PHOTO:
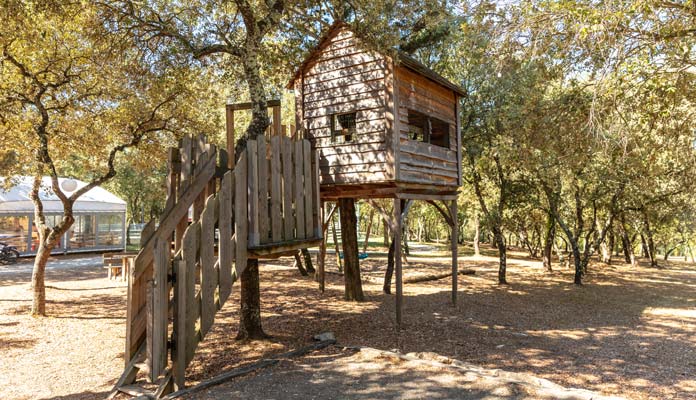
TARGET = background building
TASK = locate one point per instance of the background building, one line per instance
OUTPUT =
(100, 217)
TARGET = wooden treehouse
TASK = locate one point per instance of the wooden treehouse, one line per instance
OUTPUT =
(383, 126)
(369, 126)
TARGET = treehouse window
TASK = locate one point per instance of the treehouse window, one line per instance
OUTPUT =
(343, 128)
(427, 129)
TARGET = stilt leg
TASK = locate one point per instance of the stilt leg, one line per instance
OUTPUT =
(321, 276)
(455, 235)
(397, 259)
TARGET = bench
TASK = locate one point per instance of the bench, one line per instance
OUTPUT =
(117, 264)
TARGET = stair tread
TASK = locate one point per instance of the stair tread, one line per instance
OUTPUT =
(135, 390)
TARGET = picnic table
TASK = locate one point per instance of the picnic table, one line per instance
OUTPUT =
(118, 264)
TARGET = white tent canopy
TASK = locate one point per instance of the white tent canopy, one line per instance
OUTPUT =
(18, 201)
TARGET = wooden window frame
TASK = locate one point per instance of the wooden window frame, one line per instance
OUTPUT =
(336, 133)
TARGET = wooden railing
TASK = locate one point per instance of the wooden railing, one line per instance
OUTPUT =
(284, 207)
(266, 206)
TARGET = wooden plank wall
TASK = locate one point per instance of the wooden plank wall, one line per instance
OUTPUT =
(265, 192)
(421, 162)
(283, 186)
(346, 77)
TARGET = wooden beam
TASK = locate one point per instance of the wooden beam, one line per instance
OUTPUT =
(269, 250)
(444, 211)
(276, 119)
(249, 105)
(455, 263)
(397, 260)
(229, 119)
(426, 197)
(321, 274)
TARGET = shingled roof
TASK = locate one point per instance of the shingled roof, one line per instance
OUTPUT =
(403, 59)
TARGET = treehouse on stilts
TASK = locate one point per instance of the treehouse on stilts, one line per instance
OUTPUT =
(383, 126)
(369, 126)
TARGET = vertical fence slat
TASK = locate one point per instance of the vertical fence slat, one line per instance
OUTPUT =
(253, 193)
(179, 352)
(318, 219)
(172, 178)
(184, 177)
(288, 220)
(208, 276)
(308, 188)
(263, 189)
(159, 309)
(299, 190)
(135, 326)
(240, 214)
(189, 250)
(276, 202)
(199, 203)
(225, 242)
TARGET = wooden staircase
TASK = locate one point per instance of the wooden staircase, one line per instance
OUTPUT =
(265, 207)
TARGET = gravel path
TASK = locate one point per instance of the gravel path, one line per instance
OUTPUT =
(71, 262)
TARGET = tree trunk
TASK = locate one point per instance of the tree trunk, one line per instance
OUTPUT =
(669, 251)
(250, 313)
(549, 237)
(477, 233)
(577, 260)
(407, 251)
(626, 243)
(367, 231)
(502, 253)
(610, 247)
(643, 247)
(308, 261)
(349, 237)
(627, 247)
(298, 265)
(389, 273)
(385, 233)
(38, 305)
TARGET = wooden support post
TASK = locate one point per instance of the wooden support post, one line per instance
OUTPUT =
(276, 120)
(321, 275)
(397, 259)
(455, 264)
(229, 114)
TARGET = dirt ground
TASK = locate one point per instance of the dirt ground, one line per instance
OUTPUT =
(366, 373)
(627, 331)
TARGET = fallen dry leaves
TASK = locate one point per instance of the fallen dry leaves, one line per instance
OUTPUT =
(628, 331)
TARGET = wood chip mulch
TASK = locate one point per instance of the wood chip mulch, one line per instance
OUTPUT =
(627, 331)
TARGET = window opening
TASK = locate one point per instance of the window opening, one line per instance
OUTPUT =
(343, 127)
(426, 129)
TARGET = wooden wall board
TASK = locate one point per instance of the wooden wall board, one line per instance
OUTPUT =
(298, 191)
(209, 278)
(225, 227)
(276, 193)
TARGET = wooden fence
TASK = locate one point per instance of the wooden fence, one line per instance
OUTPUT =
(266, 206)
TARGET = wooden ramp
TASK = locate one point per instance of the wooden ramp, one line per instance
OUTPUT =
(265, 207)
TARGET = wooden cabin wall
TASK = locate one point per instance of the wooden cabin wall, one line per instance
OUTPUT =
(346, 77)
(421, 162)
